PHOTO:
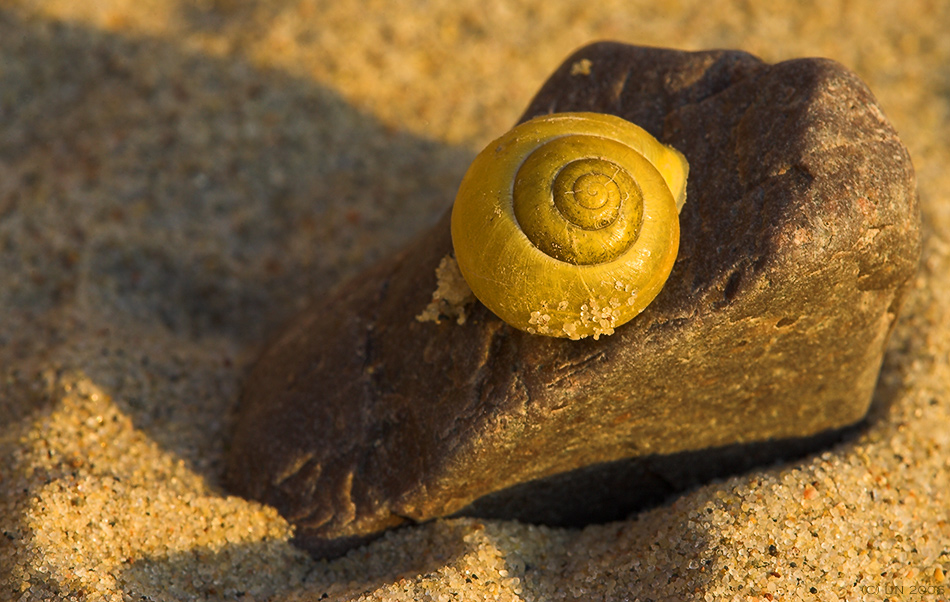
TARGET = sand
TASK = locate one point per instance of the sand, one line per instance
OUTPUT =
(177, 178)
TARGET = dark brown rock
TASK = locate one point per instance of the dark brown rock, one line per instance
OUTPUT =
(799, 239)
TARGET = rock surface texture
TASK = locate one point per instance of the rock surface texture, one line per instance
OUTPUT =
(798, 241)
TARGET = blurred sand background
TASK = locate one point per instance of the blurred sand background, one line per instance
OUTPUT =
(179, 177)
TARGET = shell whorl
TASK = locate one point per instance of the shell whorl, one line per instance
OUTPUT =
(574, 203)
(568, 224)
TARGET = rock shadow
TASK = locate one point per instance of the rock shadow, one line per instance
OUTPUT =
(613, 491)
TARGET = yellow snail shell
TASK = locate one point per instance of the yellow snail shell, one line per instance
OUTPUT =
(568, 225)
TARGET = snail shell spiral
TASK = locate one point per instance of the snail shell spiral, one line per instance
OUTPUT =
(568, 224)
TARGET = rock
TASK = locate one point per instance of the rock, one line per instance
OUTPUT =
(799, 240)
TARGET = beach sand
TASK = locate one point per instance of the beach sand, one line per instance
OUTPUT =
(178, 178)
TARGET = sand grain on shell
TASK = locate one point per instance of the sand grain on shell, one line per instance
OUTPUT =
(177, 178)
